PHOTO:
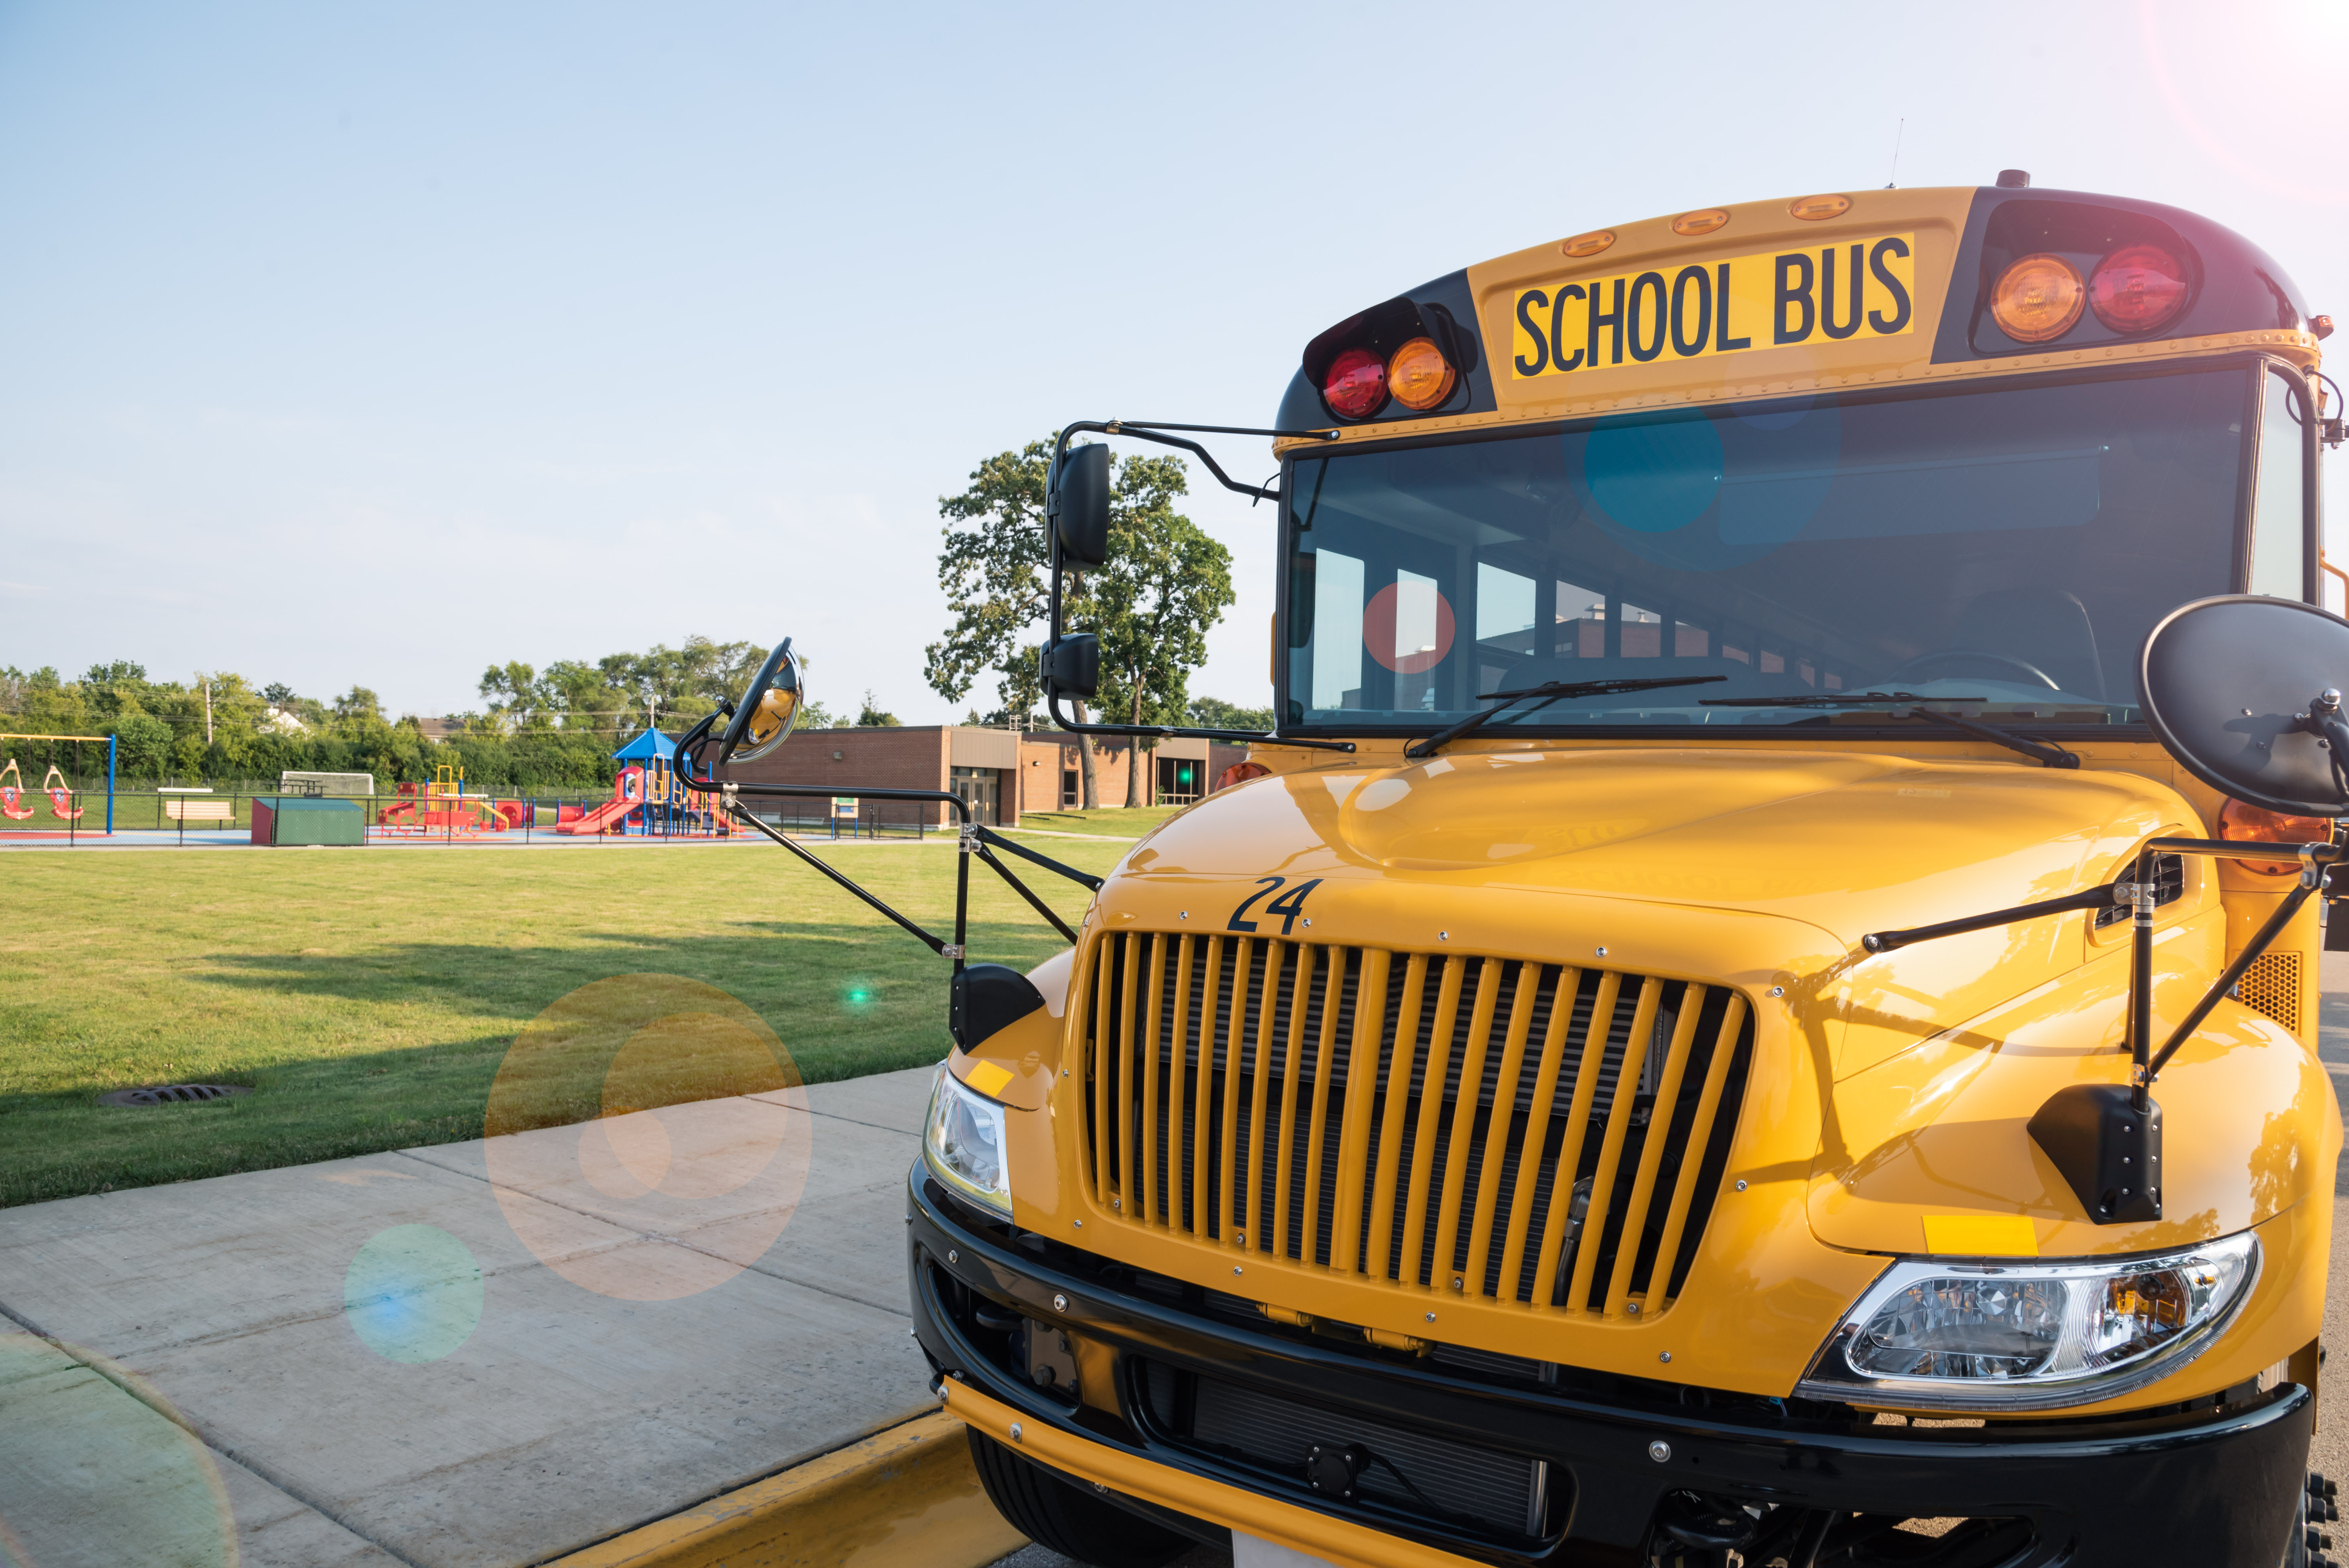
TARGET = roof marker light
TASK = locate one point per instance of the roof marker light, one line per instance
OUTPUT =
(1703, 223)
(1589, 244)
(2138, 288)
(2038, 298)
(1811, 209)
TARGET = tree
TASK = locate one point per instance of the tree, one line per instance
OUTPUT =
(515, 695)
(993, 570)
(358, 703)
(277, 695)
(143, 746)
(872, 718)
(1214, 713)
(1165, 584)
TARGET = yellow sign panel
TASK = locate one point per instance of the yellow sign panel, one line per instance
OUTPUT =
(1828, 293)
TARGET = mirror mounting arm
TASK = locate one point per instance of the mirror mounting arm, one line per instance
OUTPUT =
(1080, 686)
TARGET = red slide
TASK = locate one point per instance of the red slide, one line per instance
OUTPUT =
(602, 819)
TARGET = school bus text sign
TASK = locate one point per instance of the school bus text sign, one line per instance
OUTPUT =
(1825, 293)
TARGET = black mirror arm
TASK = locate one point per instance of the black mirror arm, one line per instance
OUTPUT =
(1148, 431)
(1022, 888)
(1185, 732)
(988, 835)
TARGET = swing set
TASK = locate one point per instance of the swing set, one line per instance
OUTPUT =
(16, 803)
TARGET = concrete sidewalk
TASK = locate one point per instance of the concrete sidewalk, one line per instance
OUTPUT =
(563, 1414)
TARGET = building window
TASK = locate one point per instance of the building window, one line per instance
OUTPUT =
(1071, 791)
(1181, 780)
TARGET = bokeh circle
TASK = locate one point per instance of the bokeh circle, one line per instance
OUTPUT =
(413, 1293)
(647, 1137)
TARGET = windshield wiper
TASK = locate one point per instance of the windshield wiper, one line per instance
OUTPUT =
(1907, 705)
(1550, 692)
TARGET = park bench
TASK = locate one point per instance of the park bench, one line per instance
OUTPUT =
(184, 811)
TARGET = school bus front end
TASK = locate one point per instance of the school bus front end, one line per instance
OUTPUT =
(1512, 1139)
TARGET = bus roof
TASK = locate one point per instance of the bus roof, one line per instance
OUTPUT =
(1780, 297)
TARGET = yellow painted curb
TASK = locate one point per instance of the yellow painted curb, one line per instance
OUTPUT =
(907, 1497)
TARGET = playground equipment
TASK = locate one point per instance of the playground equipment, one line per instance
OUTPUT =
(60, 795)
(442, 808)
(15, 807)
(648, 799)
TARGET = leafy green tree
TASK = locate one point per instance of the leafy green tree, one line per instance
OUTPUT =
(1214, 713)
(357, 704)
(143, 746)
(516, 700)
(1165, 584)
(871, 716)
(994, 571)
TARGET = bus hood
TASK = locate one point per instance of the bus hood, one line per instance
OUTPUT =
(1842, 841)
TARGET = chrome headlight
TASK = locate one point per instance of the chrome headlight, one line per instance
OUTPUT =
(963, 1144)
(1936, 1333)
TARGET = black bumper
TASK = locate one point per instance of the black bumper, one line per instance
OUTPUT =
(2214, 1486)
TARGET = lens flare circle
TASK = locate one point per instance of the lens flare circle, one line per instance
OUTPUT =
(95, 1469)
(658, 1104)
(413, 1293)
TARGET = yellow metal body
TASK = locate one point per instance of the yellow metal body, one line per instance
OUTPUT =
(1886, 1096)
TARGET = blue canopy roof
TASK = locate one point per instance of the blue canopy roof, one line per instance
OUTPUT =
(652, 744)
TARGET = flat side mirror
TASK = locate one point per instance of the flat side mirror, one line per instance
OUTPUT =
(1078, 508)
(769, 709)
(1070, 665)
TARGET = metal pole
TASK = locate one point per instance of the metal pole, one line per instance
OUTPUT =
(110, 786)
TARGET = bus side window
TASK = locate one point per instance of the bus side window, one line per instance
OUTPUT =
(2277, 538)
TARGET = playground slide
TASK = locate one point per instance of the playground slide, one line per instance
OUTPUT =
(602, 819)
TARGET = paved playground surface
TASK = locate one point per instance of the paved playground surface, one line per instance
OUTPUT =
(567, 1416)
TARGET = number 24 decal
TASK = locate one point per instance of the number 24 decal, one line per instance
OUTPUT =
(1288, 905)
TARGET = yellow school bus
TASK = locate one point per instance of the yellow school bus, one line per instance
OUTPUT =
(1654, 1063)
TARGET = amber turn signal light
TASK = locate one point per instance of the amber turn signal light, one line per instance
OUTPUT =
(1589, 244)
(1703, 223)
(2038, 298)
(1419, 376)
(1811, 209)
(2244, 824)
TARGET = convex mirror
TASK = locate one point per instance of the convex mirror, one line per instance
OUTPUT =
(1077, 509)
(2245, 692)
(769, 709)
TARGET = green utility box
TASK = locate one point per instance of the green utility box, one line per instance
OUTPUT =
(285, 820)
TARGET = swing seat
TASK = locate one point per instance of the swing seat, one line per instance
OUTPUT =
(62, 808)
(9, 803)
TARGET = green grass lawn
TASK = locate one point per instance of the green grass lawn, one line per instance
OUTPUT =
(368, 996)
(1107, 820)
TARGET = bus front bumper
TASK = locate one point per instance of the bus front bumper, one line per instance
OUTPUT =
(2217, 1486)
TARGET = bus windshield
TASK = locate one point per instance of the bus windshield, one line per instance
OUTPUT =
(2001, 550)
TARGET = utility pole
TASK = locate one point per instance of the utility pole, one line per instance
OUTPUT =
(208, 709)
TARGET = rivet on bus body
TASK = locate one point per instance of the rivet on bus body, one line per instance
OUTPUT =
(1060, 1303)
(953, 1256)
(1602, 953)
(1309, 922)
(1431, 1318)
(1016, 1433)
(1236, 1268)
(1182, 915)
(1665, 1356)
(1660, 1451)
(1457, 1284)
(1081, 1225)
(1778, 990)
(1740, 1186)
(1442, 936)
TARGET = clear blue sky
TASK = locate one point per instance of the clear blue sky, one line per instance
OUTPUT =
(375, 344)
